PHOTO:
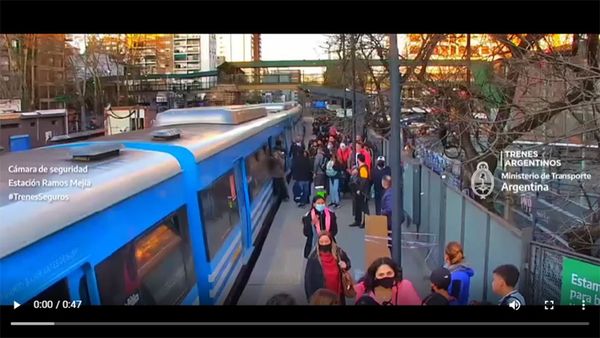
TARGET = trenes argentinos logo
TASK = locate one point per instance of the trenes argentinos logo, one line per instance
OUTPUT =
(482, 181)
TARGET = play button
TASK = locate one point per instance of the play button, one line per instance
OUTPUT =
(16, 305)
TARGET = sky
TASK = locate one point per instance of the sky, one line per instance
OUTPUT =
(293, 46)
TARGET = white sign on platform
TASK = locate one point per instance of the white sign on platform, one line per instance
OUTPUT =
(10, 106)
(340, 112)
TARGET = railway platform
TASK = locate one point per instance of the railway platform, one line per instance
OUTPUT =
(280, 266)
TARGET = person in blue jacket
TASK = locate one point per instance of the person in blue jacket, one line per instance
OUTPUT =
(386, 204)
(460, 273)
(380, 170)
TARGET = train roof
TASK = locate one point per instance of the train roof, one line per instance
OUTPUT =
(205, 139)
(114, 179)
(111, 180)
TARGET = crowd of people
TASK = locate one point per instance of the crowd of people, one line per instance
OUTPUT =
(325, 281)
(335, 165)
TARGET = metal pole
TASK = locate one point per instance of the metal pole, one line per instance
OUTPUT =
(354, 115)
(468, 60)
(395, 154)
(344, 76)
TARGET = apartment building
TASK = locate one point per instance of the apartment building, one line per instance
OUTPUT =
(234, 47)
(153, 53)
(194, 53)
(44, 78)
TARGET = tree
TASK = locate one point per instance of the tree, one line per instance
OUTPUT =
(374, 79)
(521, 93)
(530, 97)
(21, 52)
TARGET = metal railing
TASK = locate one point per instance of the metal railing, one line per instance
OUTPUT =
(163, 87)
(256, 79)
(546, 272)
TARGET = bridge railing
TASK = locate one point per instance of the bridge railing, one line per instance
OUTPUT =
(163, 87)
(257, 79)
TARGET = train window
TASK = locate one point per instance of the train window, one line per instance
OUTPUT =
(257, 171)
(156, 268)
(220, 211)
(58, 291)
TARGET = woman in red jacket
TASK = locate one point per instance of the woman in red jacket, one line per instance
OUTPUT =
(325, 267)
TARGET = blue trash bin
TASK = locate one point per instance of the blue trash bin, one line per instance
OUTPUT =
(19, 143)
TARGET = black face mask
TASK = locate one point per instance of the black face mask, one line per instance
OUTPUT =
(325, 248)
(387, 282)
(381, 164)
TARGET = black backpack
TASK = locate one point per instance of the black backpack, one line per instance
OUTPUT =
(323, 164)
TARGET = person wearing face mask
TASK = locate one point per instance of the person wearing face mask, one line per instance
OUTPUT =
(384, 285)
(301, 172)
(360, 188)
(296, 148)
(330, 149)
(325, 266)
(318, 219)
(344, 153)
(334, 172)
(319, 167)
(381, 170)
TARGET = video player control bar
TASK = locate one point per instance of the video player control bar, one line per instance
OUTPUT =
(299, 323)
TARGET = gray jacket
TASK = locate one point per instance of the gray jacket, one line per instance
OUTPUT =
(317, 165)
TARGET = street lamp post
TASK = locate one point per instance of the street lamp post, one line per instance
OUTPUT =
(396, 151)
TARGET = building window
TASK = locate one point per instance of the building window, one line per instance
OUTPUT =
(257, 171)
(220, 211)
(156, 268)
(44, 75)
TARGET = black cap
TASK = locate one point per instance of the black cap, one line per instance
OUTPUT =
(440, 277)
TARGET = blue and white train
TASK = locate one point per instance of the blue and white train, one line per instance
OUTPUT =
(168, 215)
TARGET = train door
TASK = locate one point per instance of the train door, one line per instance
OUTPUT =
(82, 287)
(71, 288)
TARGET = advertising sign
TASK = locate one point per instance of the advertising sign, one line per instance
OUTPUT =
(580, 283)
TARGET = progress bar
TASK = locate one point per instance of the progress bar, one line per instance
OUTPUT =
(298, 323)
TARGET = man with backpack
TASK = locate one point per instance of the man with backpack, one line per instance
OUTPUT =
(360, 188)
(379, 172)
(277, 167)
(319, 167)
(334, 171)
